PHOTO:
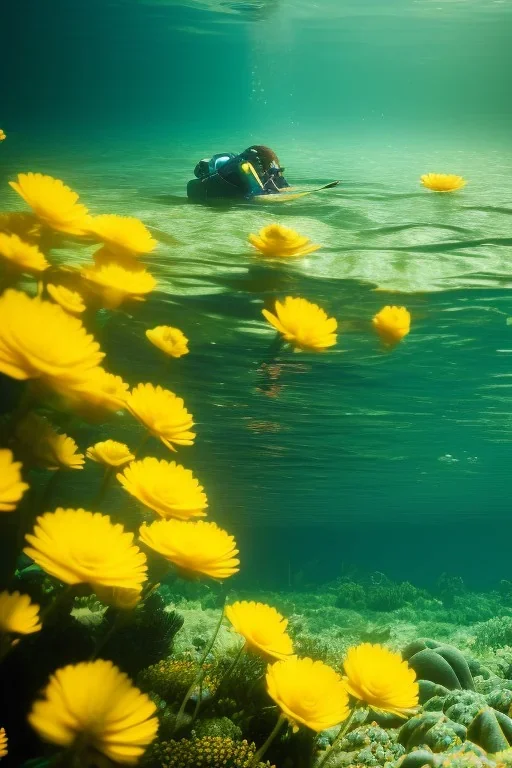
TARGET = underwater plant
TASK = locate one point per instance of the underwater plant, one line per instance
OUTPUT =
(166, 487)
(95, 706)
(170, 340)
(392, 324)
(276, 241)
(442, 182)
(304, 325)
(12, 486)
(55, 204)
(262, 627)
(381, 679)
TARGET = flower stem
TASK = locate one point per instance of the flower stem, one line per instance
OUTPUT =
(107, 479)
(223, 679)
(262, 750)
(59, 601)
(341, 733)
(141, 444)
(199, 674)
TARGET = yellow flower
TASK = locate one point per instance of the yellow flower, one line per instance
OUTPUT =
(115, 283)
(172, 341)
(165, 487)
(263, 628)
(193, 547)
(47, 447)
(80, 547)
(20, 255)
(303, 324)
(3, 743)
(275, 241)
(442, 182)
(110, 452)
(38, 340)
(123, 235)
(124, 599)
(308, 693)
(392, 324)
(69, 300)
(97, 705)
(17, 614)
(55, 204)
(12, 486)
(96, 395)
(162, 413)
(381, 679)
(25, 225)
(3, 136)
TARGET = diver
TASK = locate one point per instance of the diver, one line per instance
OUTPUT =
(255, 171)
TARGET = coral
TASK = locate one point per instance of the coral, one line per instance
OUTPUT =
(217, 727)
(207, 752)
(494, 633)
(467, 755)
(433, 730)
(438, 663)
(350, 595)
(169, 678)
(369, 746)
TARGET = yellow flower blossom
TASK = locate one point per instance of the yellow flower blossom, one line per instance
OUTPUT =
(123, 599)
(442, 182)
(18, 615)
(380, 678)
(170, 340)
(96, 704)
(278, 241)
(162, 413)
(12, 486)
(110, 453)
(81, 547)
(167, 488)
(20, 255)
(96, 396)
(115, 283)
(38, 340)
(195, 548)
(302, 324)
(3, 136)
(3, 743)
(122, 235)
(69, 300)
(55, 204)
(47, 447)
(263, 628)
(392, 324)
(25, 225)
(308, 693)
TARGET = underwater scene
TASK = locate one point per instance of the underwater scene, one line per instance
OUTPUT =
(255, 384)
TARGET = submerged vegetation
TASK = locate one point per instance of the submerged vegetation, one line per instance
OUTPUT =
(114, 647)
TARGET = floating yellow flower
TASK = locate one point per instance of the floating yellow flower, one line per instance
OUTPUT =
(55, 204)
(12, 486)
(25, 225)
(17, 614)
(170, 340)
(278, 241)
(3, 743)
(47, 447)
(167, 488)
(80, 547)
(193, 547)
(303, 324)
(20, 255)
(392, 324)
(308, 693)
(97, 705)
(3, 136)
(69, 300)
(124, 599)
(115, 283)
(263, 628)
(380, 678)
(38, 340)
(162, 413)
(442, 182)
(96, 395)
(123, 235)
(110, 453)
